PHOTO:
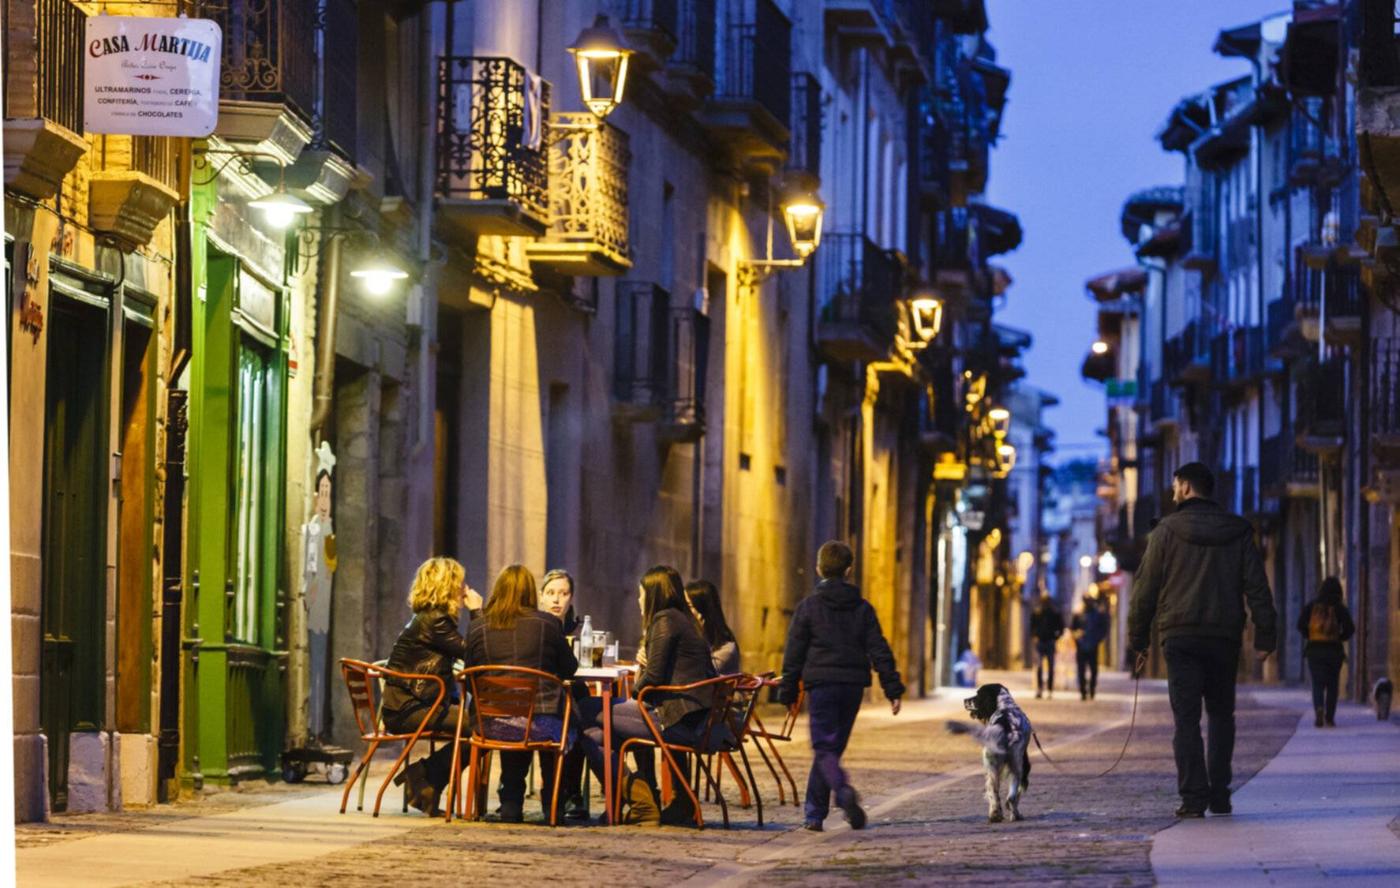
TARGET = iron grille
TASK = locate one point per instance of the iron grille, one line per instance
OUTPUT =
(268, 52)
(695, 38)
(641, 346)
(1385, 386)
(688, 361)
(757, 62)
(61, 28)
(659, 15)
(337, 48)
(493, 131)
(859, 284)
(805, 141)
(155, 156)
(588, 184)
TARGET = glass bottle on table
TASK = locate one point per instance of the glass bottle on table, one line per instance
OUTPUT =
(585, 641)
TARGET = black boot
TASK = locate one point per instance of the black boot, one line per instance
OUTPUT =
(1317, 717)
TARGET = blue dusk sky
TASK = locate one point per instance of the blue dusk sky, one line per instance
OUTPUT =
(1091, 83)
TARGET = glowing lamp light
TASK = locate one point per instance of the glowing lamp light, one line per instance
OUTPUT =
(927, 312)
(1001, 421)
(281, 209)
(1007, 454)
(1108, 564)
(601, 57)
(1086, 561)
(379, 277)
(803, 214)
(1099, 347)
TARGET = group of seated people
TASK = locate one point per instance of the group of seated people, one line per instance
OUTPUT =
(685, 639)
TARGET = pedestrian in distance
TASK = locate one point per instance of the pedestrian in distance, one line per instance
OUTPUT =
(1047, 625)
(833, 642)
(1200, 570)
(1089, 627)
(1326, 625)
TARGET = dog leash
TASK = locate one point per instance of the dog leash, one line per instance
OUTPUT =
(1132, 721)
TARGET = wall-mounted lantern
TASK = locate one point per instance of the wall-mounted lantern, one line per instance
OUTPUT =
(1001, 421)
(378, 276)
(601, 57)
(927, 314)
(1006, 459)
(803, 213)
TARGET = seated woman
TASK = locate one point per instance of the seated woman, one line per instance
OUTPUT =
(676, 654)
(513, 631)
(557, 598)
(429, 645)
(703, 598)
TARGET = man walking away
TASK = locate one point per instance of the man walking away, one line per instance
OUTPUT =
(1046, 628)
(1326, 624)
(832, 644)
(1088, 627)
(1200, 569)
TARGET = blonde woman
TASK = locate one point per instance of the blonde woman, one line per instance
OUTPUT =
(429, 645)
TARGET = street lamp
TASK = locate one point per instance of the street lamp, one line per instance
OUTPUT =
(1099, 347)
(927, 312)
(280, 208)
(1006, 454)
(1001, 421)
(378, 277)
(803, 213)
(1086, 561)
(601, 57)
(1108, 563)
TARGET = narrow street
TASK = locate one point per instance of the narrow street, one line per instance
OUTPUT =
(922, 787)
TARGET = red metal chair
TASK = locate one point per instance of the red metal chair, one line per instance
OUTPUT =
(715, 736)
(363, 681)
(500, 693)
(740, 720)
(757, 732)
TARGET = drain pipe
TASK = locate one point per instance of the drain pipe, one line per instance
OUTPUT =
(326, 312)
(427, 170)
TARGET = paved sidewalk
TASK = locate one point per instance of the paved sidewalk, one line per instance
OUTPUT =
(1321, 809)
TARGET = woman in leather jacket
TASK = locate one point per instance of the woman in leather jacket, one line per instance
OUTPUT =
(676, 654)
(429, 645)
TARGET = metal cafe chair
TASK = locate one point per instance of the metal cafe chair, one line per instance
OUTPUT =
(740, 721)
(364, 681)
(758, 732)
(715, 736)
(505, 720)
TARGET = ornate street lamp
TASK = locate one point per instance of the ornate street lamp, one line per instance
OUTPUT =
(927, 314)
(1001, 421)
(1006, 457)
(601, 57)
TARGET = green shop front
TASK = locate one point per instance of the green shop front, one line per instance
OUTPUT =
(235, 639)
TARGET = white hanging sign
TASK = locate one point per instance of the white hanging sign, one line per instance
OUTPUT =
(151, 76)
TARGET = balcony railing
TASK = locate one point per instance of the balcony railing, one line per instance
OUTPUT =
(651, 27)
(492, 129)
(337, 30)
(268, 52)
(1186, 357)
(858, 284)
(1204, 251)
(587, 198)
(61, 27)
(756, 63)
(155, 156)
(933, 147)
(641, 335)
(1385, 388)
(693, 59)
(1285, 469)
(1321, 405)
(1314, 152)
(805, 139)
(1237, 356)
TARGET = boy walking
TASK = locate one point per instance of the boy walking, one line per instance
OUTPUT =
(833, 643)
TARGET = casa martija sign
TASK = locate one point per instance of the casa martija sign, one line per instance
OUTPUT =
(151, 76)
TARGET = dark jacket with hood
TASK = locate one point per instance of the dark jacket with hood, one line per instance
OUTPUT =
(835, 638)
(1200, 569)
(1344, 623)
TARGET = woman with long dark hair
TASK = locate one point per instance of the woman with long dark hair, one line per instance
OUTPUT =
(676, 654)
(703, 599)
(1325, 624)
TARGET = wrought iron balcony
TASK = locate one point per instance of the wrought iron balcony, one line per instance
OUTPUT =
(43, 128)
(857, 286)
(661, 357)
(337, 99)
(1286, 470)
(267, 81)
(1315, 153)
(1164, 411)
(1321, 406)
(1385, 400)
(60, 29)
(690, 71)
(750, 110)
(651, 27)
(587, 198)
(1342, 309)
(933, 146)
(1204, 253)
(1237, 357)
(805, 132)
(492, 160)
(1186, 357)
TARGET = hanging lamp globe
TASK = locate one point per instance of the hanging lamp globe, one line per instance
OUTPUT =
(281, 209)
(601, 57)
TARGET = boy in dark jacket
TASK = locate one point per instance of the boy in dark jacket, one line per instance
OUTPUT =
(832, 644)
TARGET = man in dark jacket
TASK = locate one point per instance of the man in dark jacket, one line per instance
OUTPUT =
(1200, 569)
(1089, 627)
(833, 642)
(1047, 625)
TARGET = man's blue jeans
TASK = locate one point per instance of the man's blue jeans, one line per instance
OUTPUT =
(831, 710)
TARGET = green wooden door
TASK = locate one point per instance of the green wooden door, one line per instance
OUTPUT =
(75, 508)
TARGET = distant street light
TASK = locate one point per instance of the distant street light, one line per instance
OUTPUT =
(1108, 563)
(378, 277)
(803, 213)
(1001, 421)
(1099, 347)
(601, 57)
(1086, 561)
(281, 209)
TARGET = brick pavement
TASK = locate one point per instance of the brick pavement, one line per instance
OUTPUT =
(924, 789)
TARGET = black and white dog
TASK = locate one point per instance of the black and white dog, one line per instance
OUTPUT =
(1005, 735)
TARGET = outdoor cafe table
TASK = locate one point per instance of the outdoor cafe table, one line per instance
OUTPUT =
(610, 681)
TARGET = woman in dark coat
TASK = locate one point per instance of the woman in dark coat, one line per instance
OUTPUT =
(429, 645)
(704, 602)
(676, 654)
(512, 631)
(557, 599)
(1325, 624)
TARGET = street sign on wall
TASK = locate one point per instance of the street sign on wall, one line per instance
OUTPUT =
(151, 76)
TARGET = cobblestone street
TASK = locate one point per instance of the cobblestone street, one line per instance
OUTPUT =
(923, 789)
